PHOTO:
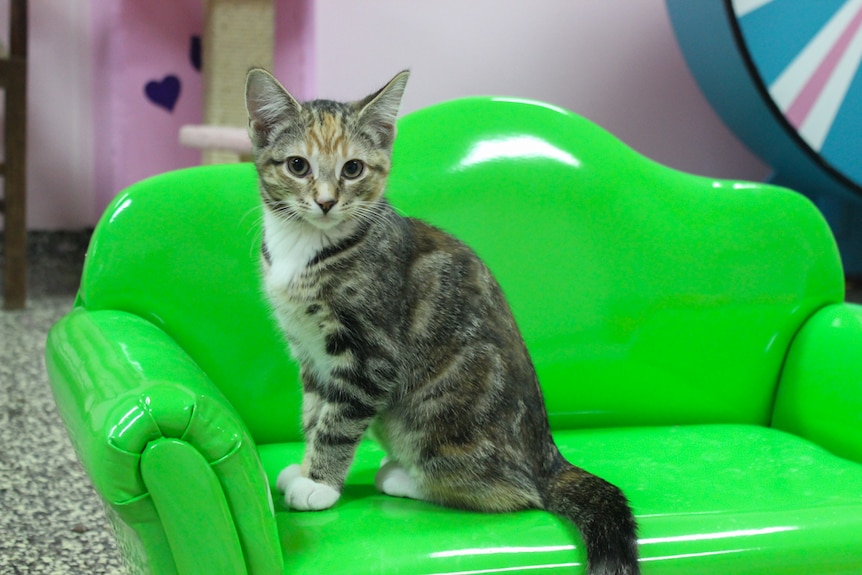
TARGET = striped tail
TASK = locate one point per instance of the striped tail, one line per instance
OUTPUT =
(601, 513)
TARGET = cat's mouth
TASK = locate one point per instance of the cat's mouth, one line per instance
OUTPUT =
(325, 220)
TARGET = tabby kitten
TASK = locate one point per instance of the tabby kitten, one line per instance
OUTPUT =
(400, 328)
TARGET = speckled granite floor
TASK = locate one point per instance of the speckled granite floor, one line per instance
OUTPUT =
(51, 520)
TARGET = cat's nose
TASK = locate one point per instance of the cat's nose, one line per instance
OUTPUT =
(325, 206)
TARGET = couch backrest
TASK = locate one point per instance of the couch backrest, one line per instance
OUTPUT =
(646, 296)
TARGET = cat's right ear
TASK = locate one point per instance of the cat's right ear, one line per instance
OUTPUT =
(268, 104)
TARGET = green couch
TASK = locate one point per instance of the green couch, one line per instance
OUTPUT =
(689, 333)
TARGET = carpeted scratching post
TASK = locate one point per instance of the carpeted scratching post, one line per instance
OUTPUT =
(238, 34)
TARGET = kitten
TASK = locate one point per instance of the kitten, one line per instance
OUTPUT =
(400, 328)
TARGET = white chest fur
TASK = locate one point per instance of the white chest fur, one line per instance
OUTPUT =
(291, 246)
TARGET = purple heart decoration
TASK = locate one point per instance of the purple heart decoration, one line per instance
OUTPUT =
(165, 93)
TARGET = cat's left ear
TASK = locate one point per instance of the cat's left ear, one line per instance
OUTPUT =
(379, 110)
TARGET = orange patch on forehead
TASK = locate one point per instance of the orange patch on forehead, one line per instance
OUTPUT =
(327, 136)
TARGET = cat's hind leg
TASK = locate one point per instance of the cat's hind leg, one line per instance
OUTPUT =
(394, 480)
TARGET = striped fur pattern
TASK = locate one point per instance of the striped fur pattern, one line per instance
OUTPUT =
(401, 330)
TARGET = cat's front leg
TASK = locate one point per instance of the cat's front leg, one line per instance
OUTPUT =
(301, 492)
(304, 494)
(332, 435)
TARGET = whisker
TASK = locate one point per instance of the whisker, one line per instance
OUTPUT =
(398, 211)
(286, 211)
(255, 229)
(257, 240)
(371, 214)
(253, 210)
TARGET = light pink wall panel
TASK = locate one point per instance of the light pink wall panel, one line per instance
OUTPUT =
(93, 129)
(613, 61)
(140, 45)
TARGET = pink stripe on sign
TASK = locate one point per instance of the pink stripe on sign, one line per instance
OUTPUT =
(798, 111)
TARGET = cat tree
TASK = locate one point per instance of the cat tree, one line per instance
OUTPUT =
(238, 34)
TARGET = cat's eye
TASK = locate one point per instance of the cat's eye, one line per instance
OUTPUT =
(298, 166)
(352, 169)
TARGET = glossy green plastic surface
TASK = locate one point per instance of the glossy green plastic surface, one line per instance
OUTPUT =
(665, 313)
(123, 386)
(219, 551)
(646, 296)
(709, 499)
(820, 396)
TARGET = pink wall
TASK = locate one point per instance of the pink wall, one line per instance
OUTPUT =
(59, 116)
(93, 130)
(613, 61)
(140, 45)
(147, 83)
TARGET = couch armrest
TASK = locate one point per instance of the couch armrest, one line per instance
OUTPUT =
(163, 447)
(820, 391)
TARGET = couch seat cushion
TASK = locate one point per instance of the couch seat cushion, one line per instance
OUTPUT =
(709, 498)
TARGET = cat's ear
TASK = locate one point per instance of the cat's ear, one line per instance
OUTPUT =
(379, 110)
(268, 104)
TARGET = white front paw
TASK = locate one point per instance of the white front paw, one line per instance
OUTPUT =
(302, 493)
